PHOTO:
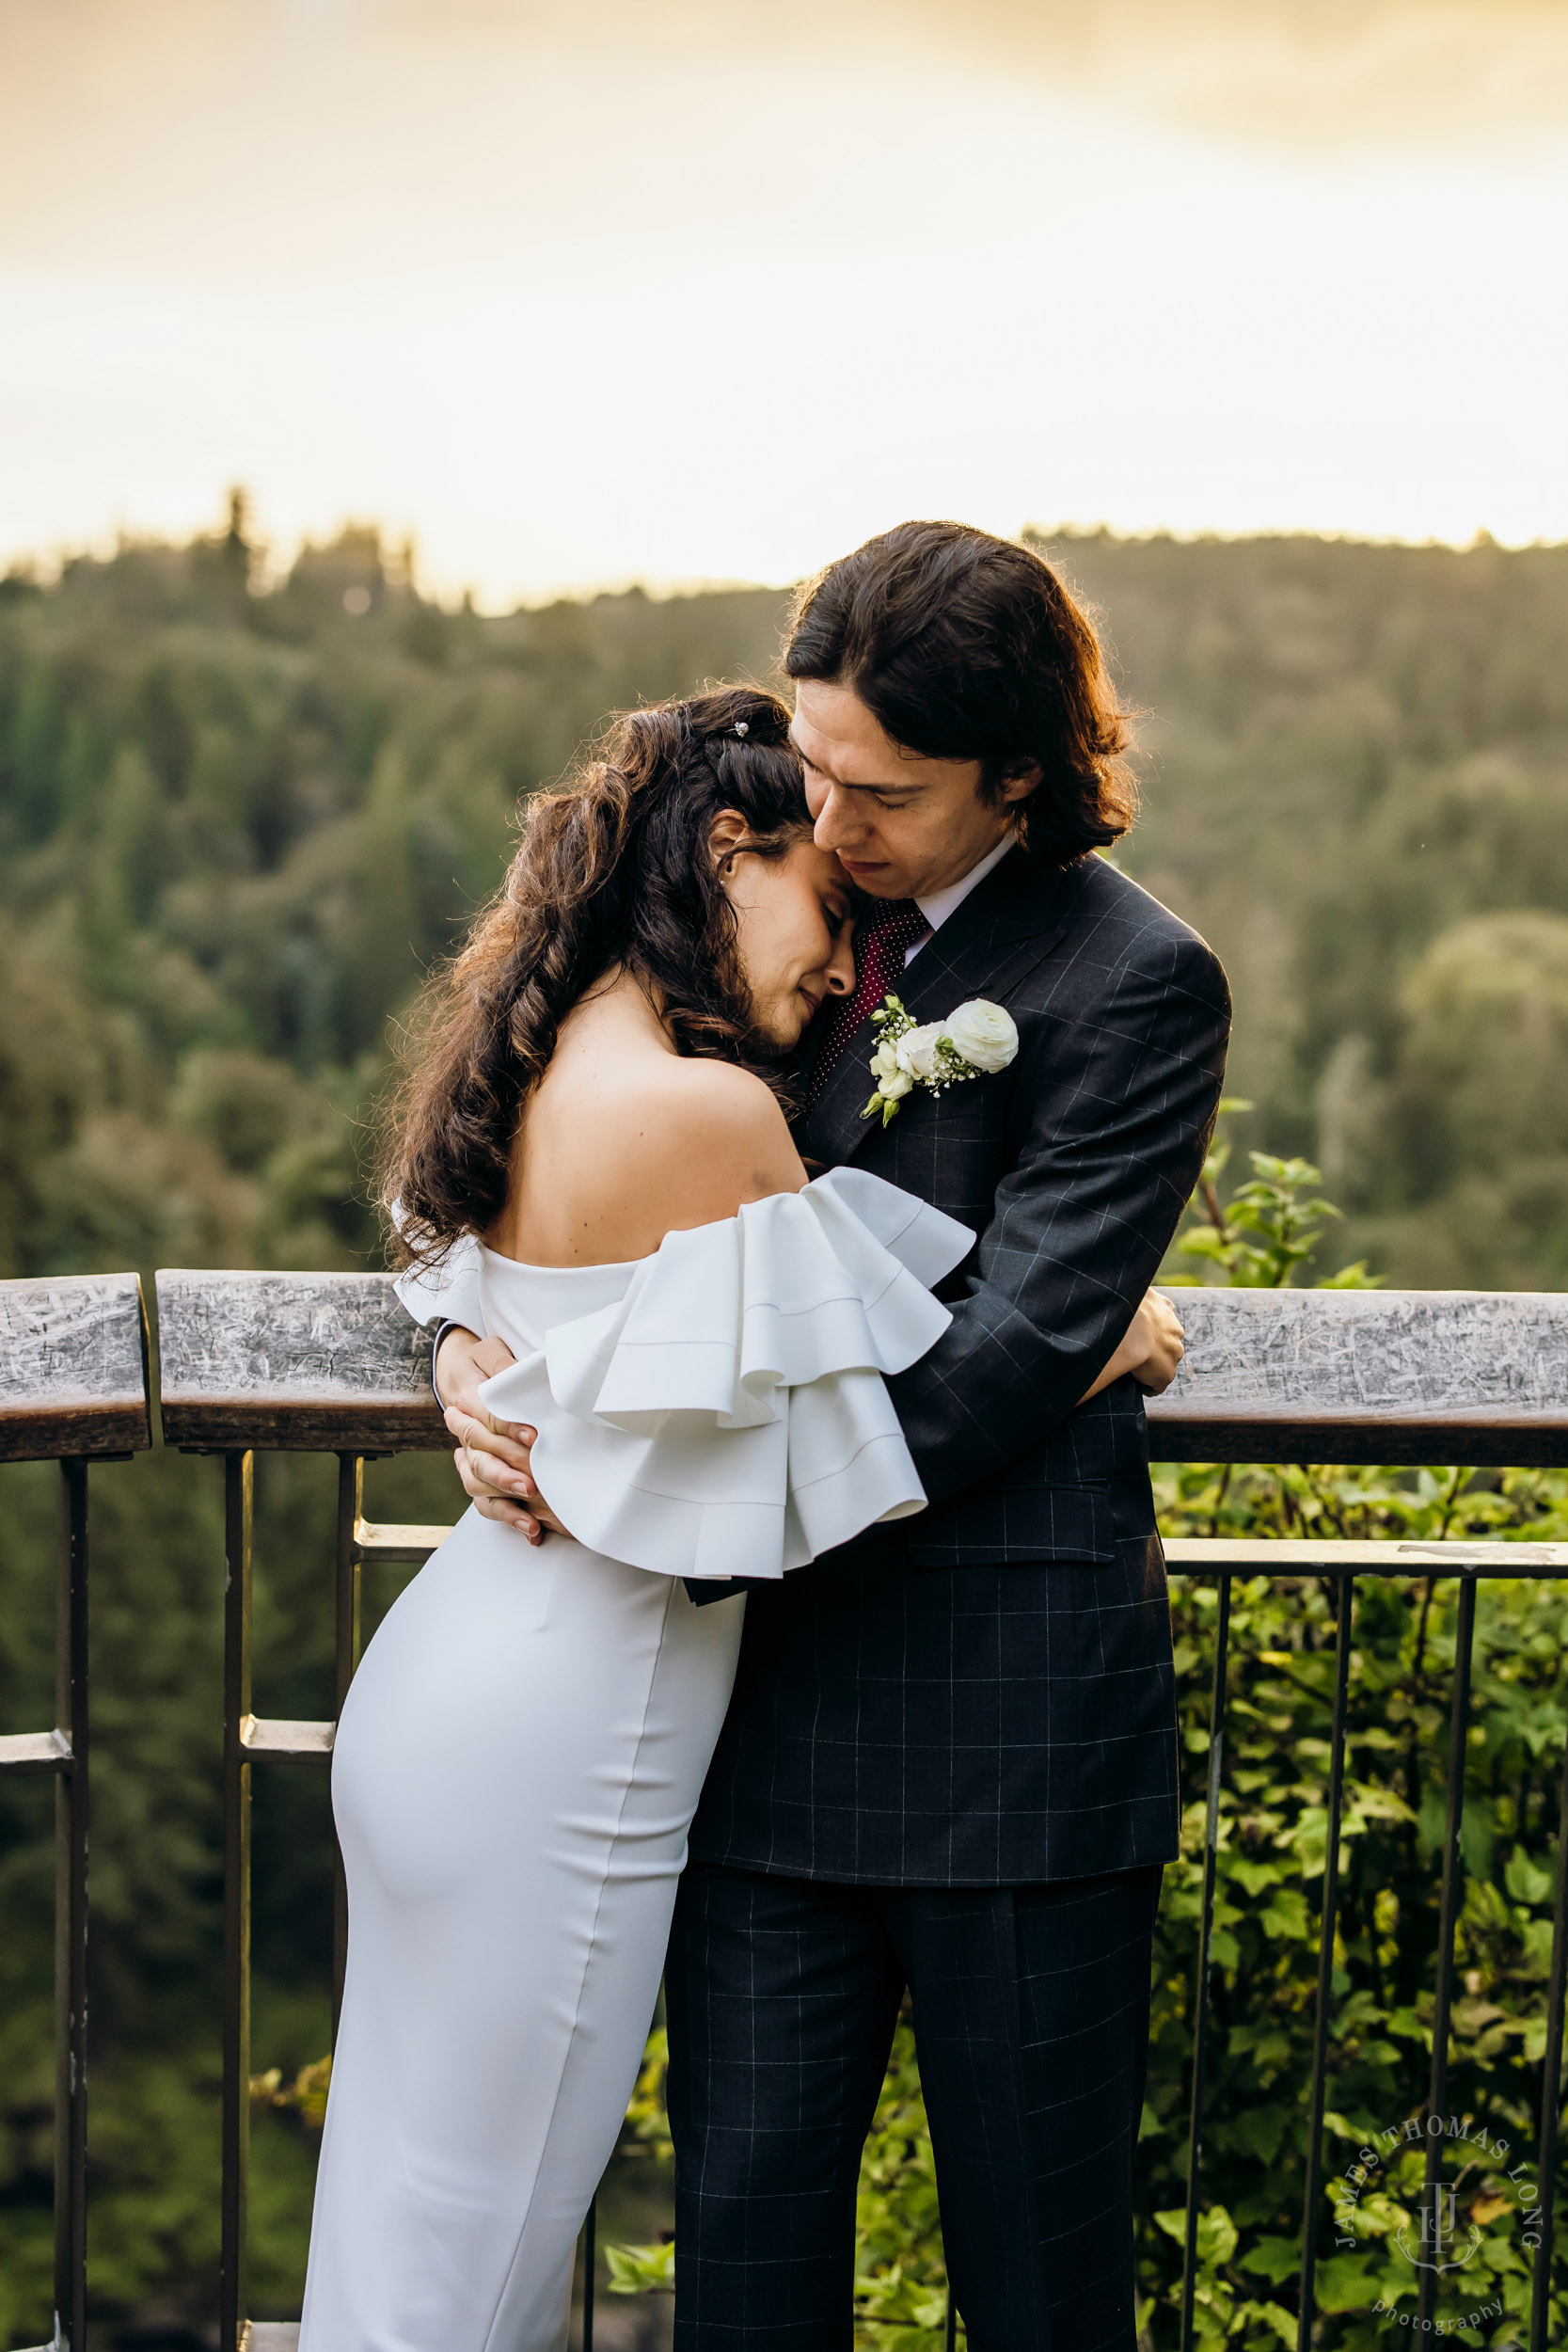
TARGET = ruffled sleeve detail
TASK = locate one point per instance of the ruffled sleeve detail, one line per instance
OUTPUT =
(448, 1291)
(727, 1416)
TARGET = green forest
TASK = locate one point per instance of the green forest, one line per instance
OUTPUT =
(237, 826)
(241, 812)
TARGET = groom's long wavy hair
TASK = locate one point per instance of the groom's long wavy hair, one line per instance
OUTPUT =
(614, 868)
(965, 646)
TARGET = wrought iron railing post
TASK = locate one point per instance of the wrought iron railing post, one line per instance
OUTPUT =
(351, 1492)
(1551, 2091)
(71, 1914)
(73, 1390)
(239, 1488)
(1326, 1971)
(1200, 1991)
(1453, 1888)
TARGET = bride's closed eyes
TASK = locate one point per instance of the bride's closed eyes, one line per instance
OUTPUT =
(795, 918)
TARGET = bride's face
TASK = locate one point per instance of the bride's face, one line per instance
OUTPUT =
(793, 922)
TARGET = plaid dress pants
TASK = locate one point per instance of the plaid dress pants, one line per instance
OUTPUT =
(1031, 2019)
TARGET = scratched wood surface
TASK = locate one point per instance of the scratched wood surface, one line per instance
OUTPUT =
(332, 1360)
(313, 1361)
(72, 1367)
(1474, 1376)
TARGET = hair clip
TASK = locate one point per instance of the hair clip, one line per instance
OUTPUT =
(741, 728)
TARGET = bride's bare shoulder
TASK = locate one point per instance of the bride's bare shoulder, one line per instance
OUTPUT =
(655, 1145)
(707, 1135)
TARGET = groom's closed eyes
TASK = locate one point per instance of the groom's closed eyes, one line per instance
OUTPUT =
(885, 795)
(902, 825)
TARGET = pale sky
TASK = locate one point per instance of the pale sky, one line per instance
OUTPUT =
(578, 292)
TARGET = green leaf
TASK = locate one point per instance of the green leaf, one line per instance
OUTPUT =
(1216, 2236)
(1259, 2131)
(1349, 2282)
(1287, 1915)
(1273, 2258)
(1525, 1879)
(642, 2269)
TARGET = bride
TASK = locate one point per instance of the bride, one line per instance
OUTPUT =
(593, 1167)
(700, 1338)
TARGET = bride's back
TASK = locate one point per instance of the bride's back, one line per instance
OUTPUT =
(623, 1140)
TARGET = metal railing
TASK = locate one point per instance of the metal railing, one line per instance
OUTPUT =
(1419, 1377)
(329, 1363)
(72, 1390)
(1346, 1563)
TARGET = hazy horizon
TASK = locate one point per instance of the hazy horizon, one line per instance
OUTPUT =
(582, 292)
(274, 557)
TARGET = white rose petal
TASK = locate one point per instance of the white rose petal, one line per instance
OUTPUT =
(984, 1033)
(893, 1090)
(917, 1050)
(884, 1062)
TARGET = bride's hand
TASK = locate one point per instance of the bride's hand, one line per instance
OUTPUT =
(1151, 1350)
(493, 1456)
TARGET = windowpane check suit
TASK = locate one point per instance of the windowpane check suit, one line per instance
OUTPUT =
(950, 1760)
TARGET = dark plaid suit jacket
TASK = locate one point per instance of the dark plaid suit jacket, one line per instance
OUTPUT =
(982, 1695)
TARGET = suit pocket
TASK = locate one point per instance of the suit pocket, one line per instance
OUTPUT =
(1066, 1522)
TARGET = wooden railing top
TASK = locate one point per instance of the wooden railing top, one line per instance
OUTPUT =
(310, 1361)
(331, 1361)
(72, 1367)
(1472, 1377)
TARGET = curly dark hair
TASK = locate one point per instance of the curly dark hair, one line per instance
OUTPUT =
(612, 869)
(964, 646)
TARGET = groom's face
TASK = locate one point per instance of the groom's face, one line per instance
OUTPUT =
(901, 826)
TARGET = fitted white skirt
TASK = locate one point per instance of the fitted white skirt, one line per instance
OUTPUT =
(516, 1772)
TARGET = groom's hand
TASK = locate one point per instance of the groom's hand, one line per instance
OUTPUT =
(493, 1457)
(1152, 1350)
(1157, 1335)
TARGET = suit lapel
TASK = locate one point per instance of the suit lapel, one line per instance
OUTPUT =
(985, 945)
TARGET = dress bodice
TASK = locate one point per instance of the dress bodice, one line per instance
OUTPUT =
(717, 1409)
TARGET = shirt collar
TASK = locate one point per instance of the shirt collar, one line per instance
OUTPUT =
(942, 903)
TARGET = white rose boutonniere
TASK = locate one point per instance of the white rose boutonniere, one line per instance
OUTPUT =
(917, 1050)
(973, 1042)
(985, 1036)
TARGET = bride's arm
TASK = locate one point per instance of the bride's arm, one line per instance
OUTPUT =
(492, 1455)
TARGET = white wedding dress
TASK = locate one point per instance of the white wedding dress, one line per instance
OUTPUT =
(522, 1750)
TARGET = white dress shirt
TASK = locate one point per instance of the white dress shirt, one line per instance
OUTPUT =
(942, 903)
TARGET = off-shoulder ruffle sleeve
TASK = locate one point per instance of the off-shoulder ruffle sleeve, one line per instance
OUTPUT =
(447, 1292)
(727, 1415)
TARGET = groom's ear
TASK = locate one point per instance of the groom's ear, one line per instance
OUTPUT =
(1017, 785)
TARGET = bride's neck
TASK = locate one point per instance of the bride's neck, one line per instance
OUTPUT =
(618, 999)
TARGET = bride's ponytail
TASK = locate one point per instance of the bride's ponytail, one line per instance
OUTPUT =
(613, 869)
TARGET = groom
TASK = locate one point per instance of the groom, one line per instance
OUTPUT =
(950, 1762)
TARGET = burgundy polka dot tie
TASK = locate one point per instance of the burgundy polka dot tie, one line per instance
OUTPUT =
(879, 966)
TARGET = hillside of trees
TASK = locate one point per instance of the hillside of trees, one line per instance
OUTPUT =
(1359, 793)
(240, 816)
(236, 828)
